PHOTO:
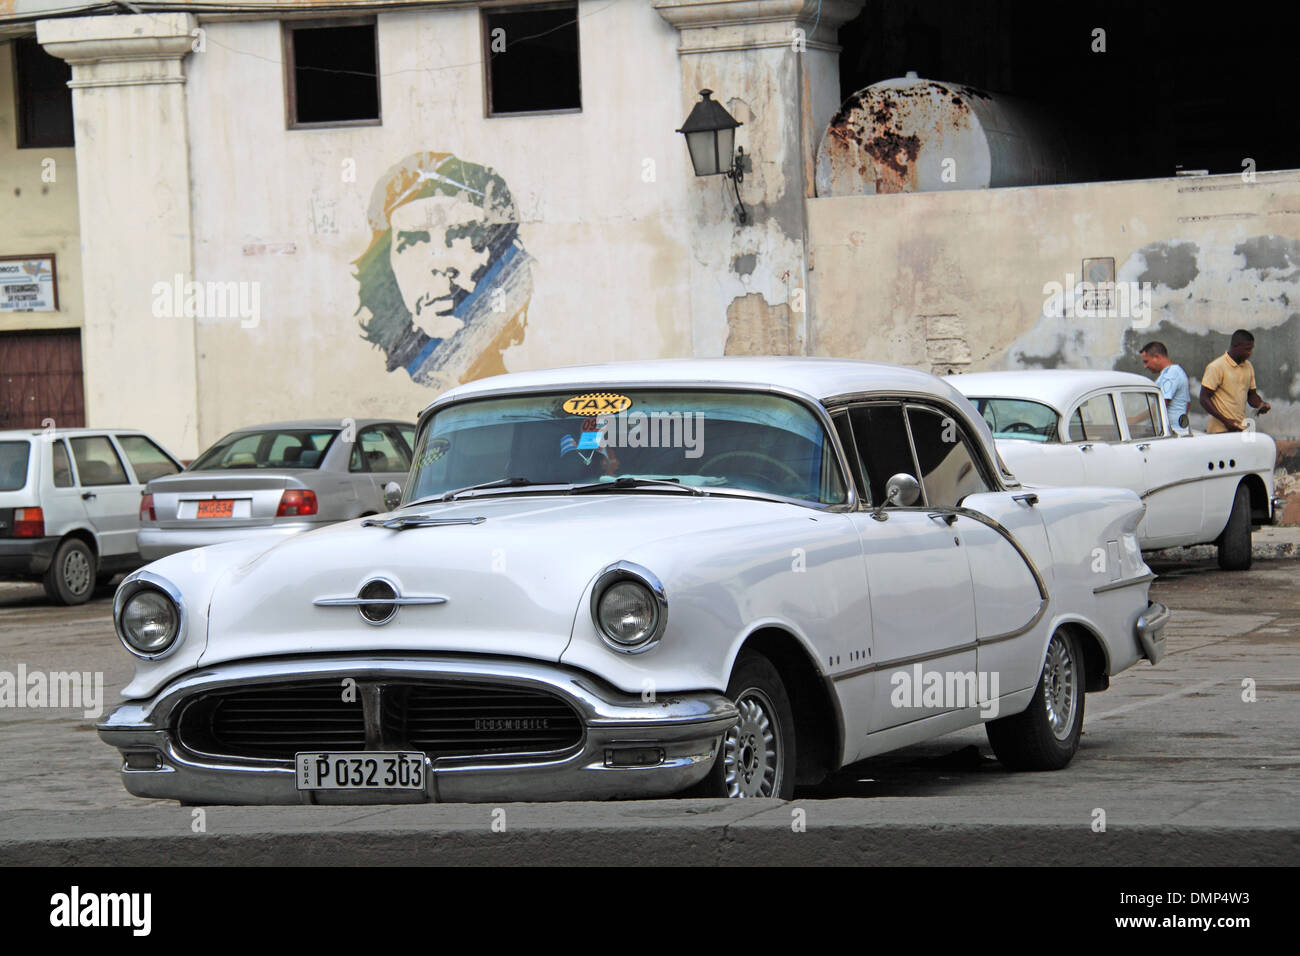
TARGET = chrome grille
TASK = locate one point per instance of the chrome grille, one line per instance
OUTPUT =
(275, 721)
(458, 719)
(439, 718)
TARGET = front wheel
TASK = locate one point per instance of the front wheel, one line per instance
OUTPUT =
(1234, 543)
(1045, 735)
(757, 758)
(70, 578)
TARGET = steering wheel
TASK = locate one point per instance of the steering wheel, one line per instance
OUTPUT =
(1021, 427)
(765, 459)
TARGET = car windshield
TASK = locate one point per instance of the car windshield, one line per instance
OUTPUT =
(712, 440)
(13, 464)
(273, 448)
(1018, 418)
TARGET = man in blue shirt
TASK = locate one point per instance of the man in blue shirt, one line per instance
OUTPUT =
(1172, 381)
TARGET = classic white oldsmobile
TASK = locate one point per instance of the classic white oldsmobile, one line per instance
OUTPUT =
(633, 579)
(1091, 427)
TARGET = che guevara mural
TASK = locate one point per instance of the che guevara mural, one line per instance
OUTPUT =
(444, 285)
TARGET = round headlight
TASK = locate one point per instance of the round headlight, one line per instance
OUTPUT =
(627, 613)
(150, 622)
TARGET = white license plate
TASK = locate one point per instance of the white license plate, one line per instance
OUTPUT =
(360, 770)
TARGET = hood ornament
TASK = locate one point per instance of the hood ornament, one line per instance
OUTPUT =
(378, 600)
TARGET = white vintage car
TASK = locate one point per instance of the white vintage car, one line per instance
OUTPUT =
(634, 579)
(1086, 427)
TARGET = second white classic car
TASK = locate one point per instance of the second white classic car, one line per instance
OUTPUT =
(1092, 427)
(638, 578)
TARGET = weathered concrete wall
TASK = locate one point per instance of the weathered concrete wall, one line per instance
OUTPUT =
(38, 211)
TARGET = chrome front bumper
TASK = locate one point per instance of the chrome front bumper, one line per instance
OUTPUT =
(1150, 629)
(630, 747)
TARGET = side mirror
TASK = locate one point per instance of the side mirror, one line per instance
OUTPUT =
(901, 491)
(392, 495)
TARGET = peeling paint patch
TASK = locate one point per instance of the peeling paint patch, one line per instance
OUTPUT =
(756, 328)
(1171, 264)
(744, 265)
(1269, 255)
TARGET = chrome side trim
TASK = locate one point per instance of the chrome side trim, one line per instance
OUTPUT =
(1127, 583)
(1188, 481)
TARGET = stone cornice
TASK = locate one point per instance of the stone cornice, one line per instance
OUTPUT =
(133, 50)
(710, 26)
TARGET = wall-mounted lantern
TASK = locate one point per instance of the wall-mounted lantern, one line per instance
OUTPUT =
(710, 133)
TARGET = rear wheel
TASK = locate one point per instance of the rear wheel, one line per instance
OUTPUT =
(1234, 543)
(758, 756)
(1045, 735)
(70, 578)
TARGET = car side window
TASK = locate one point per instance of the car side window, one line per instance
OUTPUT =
(949, 471)
(1154, 402)
(1095, 420)
(845, 431)
(61, 466)
(381, 451)
(880, 434)
(401, 447)
(97, 462)
(148, 461)
(1137, 410)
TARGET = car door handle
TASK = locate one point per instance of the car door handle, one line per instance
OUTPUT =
(1030, 498)
(1086, 446)
(1144, 446)
(946, 517)
(87, 495)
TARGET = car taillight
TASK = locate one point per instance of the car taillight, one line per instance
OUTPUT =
(29, 523)
(296, 503)
(147, 512)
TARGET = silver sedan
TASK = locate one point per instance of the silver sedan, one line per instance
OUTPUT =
(276, 480)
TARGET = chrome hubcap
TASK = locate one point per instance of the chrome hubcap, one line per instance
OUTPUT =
(1060, 692)
(76, 572)
(751, 754)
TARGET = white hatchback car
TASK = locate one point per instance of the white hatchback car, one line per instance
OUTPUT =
(70, 505)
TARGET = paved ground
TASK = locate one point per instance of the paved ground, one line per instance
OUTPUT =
(1185, 770)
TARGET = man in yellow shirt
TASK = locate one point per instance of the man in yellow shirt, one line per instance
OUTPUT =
(1228, 386)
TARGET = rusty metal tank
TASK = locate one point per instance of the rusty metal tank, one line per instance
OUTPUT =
(915, 135)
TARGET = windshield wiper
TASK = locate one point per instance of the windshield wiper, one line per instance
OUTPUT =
(402, 522)
(627, 481)
(498, 483)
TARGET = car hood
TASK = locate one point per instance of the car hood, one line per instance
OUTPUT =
(512, 582)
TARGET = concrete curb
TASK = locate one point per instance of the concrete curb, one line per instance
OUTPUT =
(695, 832)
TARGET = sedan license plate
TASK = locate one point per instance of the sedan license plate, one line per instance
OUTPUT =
(222, 508)
(362, 770)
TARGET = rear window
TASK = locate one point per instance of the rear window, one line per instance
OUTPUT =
(274, 448)
(13, 464)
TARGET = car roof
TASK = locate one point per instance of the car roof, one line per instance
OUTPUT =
(821, 378)
(336, 423)
(1059, 388)
(67, 432)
